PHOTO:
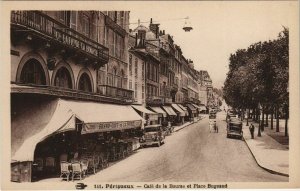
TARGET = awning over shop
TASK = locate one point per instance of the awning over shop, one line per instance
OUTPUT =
(97, 117)
(159, 110)
(152, 116)
(142, 109)
(178, 109)
(191, 108)
(184, 109)
(63, 119)
(169, 110)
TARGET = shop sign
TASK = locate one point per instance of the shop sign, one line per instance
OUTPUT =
(110, 126)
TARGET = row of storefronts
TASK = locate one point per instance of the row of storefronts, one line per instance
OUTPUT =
(54, 127)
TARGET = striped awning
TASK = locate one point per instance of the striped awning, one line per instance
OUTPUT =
(159, 110)
(191, 108)
(169, 110)
(178, 109)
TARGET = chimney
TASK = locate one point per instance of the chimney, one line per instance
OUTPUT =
(154, 28)
(160, 33)
(136, 37)
(139, 22)
(163, 32)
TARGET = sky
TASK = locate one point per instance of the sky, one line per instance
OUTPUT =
(219, 28)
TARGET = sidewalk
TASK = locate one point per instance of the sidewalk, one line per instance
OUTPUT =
(268, 153)
(178, 128)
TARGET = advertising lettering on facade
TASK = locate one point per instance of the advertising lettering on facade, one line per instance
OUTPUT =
(110, 126)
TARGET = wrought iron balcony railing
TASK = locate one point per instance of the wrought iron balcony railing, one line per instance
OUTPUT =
(45, 25)
(110, 95)
(116, 92)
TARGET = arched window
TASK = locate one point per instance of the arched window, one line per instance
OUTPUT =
(63, 78)
(84, 83)
(33, 73)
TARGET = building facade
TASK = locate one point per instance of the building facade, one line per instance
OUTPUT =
(69, 87)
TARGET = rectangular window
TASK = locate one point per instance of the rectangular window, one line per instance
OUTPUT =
(85, 25)
(136, 67)
(135, 91)
(73, 20)
(130, 85)
(61, 16)
(143, 70)
(143, 91)
(130, 64)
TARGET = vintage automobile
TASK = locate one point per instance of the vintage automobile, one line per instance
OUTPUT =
(235, 128)
(230, 114)
(153, 135)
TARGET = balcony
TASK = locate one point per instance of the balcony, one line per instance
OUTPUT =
(115, 92)
(114, 26)
(109, 95)
(154, 100)
(48, 30)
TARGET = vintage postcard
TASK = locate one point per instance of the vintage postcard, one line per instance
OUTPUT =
(150, 95)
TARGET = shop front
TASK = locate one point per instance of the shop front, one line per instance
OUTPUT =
(180, 114)
(162, 117)
(171, 114)
(90, 132)
(192, 111)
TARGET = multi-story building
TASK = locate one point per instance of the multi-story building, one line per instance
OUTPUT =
(69, 86)
(207, 83)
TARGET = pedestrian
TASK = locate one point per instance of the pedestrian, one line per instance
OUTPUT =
(251, 128)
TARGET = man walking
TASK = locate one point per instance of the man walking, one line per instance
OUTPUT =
(251, 128)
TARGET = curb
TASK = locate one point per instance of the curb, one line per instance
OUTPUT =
(269, 170)
(186, 126)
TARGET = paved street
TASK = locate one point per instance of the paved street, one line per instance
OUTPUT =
(192, 154)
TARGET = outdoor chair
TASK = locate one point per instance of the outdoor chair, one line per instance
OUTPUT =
(76, 170)
(84, 165)
(64, 170)
(91, 165)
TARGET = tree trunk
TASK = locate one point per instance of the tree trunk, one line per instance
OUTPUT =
(286, 127)
(286, 120)
(262, 119)
(272, 117)
(277, 118)
(256, 115)
(259, 127)
(267, 119)
(248, 115)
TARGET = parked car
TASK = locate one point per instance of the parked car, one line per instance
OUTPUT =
(235, 128)
(153, 135)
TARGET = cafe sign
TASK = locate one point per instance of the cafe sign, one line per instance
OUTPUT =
(110, 126)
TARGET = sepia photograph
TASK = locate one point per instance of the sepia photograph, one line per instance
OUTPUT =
(150, 95)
